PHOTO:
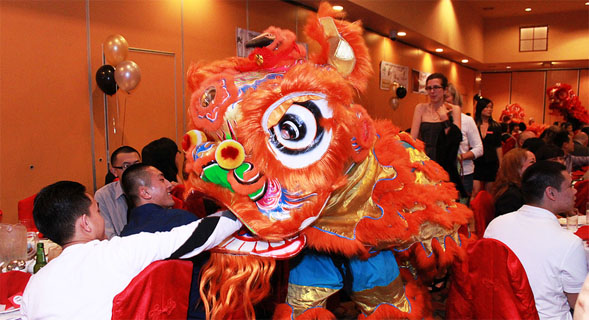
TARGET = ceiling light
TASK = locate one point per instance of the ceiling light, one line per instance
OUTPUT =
(401, 33)
(528, 9)
(508, 67)
(587, 3)
(337, 8)
(439, 50)
(464, 60)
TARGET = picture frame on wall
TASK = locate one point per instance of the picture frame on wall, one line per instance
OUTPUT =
(418, 81)
(391, 73)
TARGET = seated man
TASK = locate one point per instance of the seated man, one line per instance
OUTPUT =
(110, 198)
(150, 192)
(554, 258)
(82, 282)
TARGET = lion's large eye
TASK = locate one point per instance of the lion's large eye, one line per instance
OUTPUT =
(208, 97)
(298, 139)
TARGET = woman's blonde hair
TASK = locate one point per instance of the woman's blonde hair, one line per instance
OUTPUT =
(509, 171)
(456, 96)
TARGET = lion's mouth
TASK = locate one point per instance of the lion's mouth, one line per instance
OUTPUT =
(243, 243)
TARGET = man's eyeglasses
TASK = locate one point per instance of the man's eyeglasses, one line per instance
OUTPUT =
(125, 165)
(428, 88)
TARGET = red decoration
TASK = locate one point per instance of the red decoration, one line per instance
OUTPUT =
(564, 101)
(515, 113)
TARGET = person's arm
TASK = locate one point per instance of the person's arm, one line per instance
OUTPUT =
(572, 298)
(474, 140)
(575, 271)
(582, 304)
(499, 154)
(580, 161)
(136, 251)
(416, 123)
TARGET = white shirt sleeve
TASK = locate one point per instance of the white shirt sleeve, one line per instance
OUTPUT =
(139, 250)
(472, 134)
(574, 268)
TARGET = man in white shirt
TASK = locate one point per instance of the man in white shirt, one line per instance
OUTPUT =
(554, 258)
(110, 198)
(83, 280)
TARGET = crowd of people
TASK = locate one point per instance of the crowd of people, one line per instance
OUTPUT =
(529, 178)
(141, 214)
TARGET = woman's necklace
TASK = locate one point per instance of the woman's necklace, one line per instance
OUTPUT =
(434, 113)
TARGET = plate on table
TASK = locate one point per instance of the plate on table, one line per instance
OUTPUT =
(12, 314)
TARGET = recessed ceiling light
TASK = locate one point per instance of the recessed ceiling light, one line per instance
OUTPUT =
(337, 8)
(508, 67)
(587, 3)
(439, 50)
(464, 60)
(401, 33)
(528, 9)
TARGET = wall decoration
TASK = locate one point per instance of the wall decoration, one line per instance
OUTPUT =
(418, 81)
(390, 73)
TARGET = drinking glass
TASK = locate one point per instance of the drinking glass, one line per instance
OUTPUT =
(573, 220)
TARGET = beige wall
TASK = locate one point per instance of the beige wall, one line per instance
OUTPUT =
(528, 89)
(451, 23)
(568, 38)
(52, 113)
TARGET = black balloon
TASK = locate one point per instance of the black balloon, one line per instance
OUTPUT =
(401, 92)
(105, 78)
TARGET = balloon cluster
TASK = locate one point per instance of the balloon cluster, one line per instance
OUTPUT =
(126, 75)
(513, 112)
(399, 92)
(564, 101)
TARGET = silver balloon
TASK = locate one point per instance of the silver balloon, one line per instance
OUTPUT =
(127, 75)
(115, 49)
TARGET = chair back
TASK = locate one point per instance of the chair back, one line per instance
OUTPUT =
(483, 208)
(490, 284)
(160, 291)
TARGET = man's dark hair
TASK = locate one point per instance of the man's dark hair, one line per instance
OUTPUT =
(438, 76)
(161, 154)
(134, 177)
(533, 144)
(57, 207)
(548, 151)
(560, 138)
(522, 127)
(123, 149)
(538, 177)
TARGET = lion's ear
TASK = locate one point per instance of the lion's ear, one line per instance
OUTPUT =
(342, 44)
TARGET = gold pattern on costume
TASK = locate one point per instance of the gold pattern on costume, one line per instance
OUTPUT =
(349, 204)
(302, 298)
(416, 207)
(393, 293)
(416, 155)
(420, 178)
(429, 232)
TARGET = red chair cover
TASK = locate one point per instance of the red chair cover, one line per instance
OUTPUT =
(583, 233)
(12, 283)
(582, 195)
(508, 144)
(483, 208)
(491, 284)
(160, 291)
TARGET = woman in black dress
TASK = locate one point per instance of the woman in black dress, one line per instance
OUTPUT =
(485, 167)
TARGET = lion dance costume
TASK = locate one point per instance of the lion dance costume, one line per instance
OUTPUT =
(278, 140)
